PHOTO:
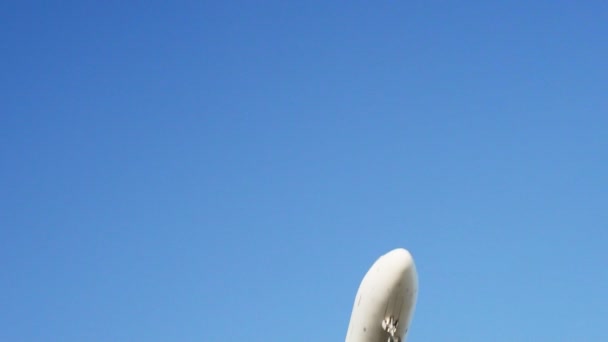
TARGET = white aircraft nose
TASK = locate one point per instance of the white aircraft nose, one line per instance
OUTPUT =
(401, 271)
(400, 261)
(386, 298)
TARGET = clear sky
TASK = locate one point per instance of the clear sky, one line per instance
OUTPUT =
(228, 171)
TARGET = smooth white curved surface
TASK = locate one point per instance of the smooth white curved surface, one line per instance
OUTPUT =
(387, 294)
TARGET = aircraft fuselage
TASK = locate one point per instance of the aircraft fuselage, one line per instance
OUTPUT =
(385, 301)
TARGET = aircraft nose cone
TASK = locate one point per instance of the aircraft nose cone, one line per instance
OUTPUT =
(400, 259)
(402, 265)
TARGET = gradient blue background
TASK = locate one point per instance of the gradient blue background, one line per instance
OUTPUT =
(210, 171)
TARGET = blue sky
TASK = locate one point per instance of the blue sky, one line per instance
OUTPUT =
(197, 171)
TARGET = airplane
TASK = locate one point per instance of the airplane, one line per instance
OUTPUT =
(385, 302)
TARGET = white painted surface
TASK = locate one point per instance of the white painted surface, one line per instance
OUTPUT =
(389, 289)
